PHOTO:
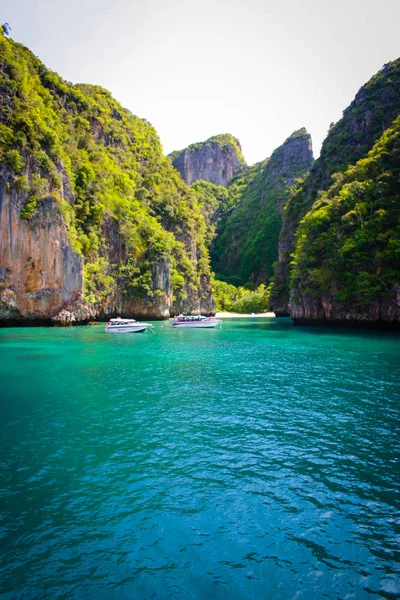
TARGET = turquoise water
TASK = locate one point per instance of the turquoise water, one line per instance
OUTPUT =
(255, 461)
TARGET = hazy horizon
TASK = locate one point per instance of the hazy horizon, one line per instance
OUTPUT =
(259, 71)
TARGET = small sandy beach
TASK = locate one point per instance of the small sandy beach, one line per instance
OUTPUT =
(234, 315)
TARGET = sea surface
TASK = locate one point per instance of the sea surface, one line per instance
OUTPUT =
(259, 460)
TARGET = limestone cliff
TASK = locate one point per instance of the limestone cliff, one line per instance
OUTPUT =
(94, 220)
(345, 266)
(363, 122)
(246, 246)
(216, 160)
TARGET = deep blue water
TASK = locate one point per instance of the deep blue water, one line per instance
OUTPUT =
(255, 461)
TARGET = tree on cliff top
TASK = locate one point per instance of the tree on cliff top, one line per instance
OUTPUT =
(6, 28)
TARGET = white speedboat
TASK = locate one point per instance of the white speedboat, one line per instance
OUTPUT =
(119, 325)
(191, 321)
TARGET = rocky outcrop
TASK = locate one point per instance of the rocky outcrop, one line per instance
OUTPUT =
(290, 161)
(215, 160)
(363, 122)
(75, 314)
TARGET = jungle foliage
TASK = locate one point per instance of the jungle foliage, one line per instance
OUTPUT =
(240, 299)
(214, 202)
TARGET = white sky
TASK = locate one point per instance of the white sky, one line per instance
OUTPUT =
(258, 69)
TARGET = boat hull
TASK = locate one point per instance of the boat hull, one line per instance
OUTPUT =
(119, 325)
(196, 324)
(126, 329)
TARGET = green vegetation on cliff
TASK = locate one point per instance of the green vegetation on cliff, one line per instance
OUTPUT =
(375, 106)
(106, 169)
(348, 245)
(363, 122)
(246, 247)
(228, 252)
(214, 201)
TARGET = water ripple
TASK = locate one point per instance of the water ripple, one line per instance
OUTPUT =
(261, 461)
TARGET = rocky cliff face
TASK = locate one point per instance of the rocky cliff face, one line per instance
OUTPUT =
(325, 310)
(246, 246)
(289, 162)
(363, 122)
(40, 274)
(215, 160)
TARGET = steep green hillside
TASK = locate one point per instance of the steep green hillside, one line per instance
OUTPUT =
(214, 201)
(347, 257)
(125, 206)
(246, 246)
(244, 190)
(363, 122)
